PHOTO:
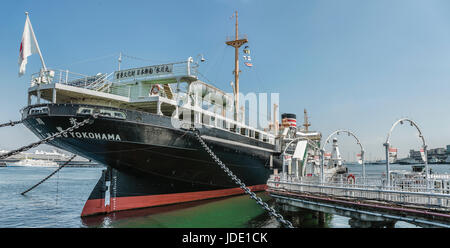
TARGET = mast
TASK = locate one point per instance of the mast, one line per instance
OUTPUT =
(306, 124)
(236, 43)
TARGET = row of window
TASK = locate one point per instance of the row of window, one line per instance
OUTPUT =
(103, 113)
(211, 121)
(38, 110)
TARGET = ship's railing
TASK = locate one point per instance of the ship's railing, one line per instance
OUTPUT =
(187, 68)
(233, 37)
(406, 192)
(69, 78)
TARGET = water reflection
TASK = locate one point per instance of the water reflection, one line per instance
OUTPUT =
(236, 211)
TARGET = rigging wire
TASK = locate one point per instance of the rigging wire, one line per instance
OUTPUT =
(88, 60)
(215, 58)
(149, 60)
(220, 64)
(53, 173)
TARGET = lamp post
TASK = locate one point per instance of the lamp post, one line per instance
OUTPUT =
(388, 183)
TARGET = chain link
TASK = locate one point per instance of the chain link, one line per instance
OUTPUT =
(10, 123)
(53, 173)
(258, 200)
(76, 125)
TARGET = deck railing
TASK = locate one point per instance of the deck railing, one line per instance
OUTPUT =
(63, 77)
(186, 68)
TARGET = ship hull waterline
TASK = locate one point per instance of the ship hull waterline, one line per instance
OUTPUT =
(150, 163)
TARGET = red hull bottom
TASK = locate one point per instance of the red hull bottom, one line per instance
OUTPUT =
(97, 206)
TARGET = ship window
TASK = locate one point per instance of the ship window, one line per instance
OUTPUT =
(206, 119)
(252, 133)
(243, 131)
(106, 113)
(238, 129)
(120, 115)
(38, 110)
(264, 138)
(257, 135)
(219, 123)
(85, 111)
(233, 128)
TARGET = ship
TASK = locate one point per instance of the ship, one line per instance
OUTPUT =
(34, 163)
(335, 163)
(408, 160)
(53, 156)
(143, 132)
(447, 160)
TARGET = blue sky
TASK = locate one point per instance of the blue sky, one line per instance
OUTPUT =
(357, 65)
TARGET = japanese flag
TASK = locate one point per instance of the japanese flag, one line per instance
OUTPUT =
(28, 46)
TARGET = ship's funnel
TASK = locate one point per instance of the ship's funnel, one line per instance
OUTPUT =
(289, 120)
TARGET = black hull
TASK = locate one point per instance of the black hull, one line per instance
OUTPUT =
(151, 163)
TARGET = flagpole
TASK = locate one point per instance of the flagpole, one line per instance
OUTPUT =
(37, 45)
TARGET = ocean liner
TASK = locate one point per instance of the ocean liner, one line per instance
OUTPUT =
(142, 133)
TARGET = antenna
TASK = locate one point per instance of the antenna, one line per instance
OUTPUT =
(120, 60)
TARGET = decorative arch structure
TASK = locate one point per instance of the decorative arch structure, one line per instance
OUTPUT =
(387, 145)
(322, 151)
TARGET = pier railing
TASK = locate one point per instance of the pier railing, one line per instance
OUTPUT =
(402, 191)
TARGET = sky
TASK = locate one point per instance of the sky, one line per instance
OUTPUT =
(354, 65)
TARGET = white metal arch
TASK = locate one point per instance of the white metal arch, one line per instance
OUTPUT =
(343, 131)
(387, 145)
(412, 124)
(322, 151)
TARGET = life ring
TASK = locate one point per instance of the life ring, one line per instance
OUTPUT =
(351, 179)
(155, 89)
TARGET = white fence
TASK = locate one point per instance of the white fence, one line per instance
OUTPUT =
(403, 191)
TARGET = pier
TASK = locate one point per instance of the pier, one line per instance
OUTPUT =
(366, 202)
(369, 200)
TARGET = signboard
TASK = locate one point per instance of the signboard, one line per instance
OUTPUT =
(422, 154)
(358, 157)
(146, 71)
(393, 155)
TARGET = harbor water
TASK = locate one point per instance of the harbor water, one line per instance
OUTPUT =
(57, 203)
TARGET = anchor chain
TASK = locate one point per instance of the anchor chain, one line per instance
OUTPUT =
(53, 173)
(258, 200)
(65, 131)
(10, 123)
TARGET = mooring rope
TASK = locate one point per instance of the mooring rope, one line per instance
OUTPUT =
(10, 123)
(258, 200)
(65, 131)
(53, 173)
